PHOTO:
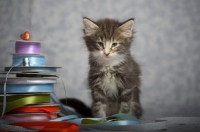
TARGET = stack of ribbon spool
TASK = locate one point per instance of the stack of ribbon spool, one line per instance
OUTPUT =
(26, 97)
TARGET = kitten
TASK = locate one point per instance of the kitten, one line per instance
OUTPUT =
(114, 75)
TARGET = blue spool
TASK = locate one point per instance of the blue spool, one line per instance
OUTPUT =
(34, 60)
(27, 88)
(27, 85)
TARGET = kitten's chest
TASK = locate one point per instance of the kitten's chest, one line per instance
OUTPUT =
(109, 82)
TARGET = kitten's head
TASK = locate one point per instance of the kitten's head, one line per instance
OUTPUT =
(108, 40)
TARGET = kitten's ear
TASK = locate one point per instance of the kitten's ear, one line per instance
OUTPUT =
(126, 29)
(89, 26)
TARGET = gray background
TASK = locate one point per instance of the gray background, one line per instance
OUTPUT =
(167, 46)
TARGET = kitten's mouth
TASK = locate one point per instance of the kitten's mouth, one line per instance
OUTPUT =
(106, 56)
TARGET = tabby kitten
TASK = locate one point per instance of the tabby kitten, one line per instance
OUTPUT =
(114, 74)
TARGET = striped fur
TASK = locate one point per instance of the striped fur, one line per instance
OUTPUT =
(114, 75)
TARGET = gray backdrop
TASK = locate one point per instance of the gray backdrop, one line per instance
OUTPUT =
(167, 46)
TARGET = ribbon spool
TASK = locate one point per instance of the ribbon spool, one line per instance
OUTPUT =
(50, 126)
(27, 85)
(18, 100)
(48, 108)
(27, 47)
(32, 60)
(27, 88)
(114, 120)
(32, 69)
(30, 117)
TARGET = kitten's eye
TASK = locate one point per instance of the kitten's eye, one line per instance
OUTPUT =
(114, 44)
(100, 44)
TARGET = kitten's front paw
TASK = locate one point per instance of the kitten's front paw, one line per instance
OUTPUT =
(99, 115)
(137, 110)
(98, 111)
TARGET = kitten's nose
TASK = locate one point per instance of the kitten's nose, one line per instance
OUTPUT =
(106, 54)
(106, 51)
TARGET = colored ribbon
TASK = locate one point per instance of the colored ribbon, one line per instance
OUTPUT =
(66, 118)
(27, 88)
(27, 47)
(4, 88)
(63, 109)
(37, 108)
(4, 92)
(30, 117)
(35, 60)
(16, 101)
(33, 69)
(50, 126)
(117, 119)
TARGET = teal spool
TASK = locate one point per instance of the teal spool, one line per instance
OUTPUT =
(27, 88)
(34, 60)
(27, 85)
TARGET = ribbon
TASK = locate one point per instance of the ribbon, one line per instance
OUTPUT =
(117, 122)
(114, 120)
(27, 88)
(160, 124)
(13, 89)
(16, 101)
(34, 60)
(4, 93)
(66, 118)
(27, 47)
(155, 126)
(63, 109)
(30, 117)
(32, 69)
(49, 126)
(37, 108)
(117, 119)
